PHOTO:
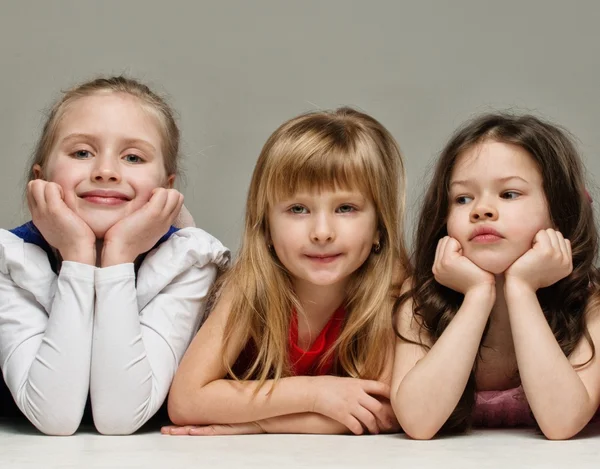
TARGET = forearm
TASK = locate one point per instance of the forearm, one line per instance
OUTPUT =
(48, 369)
(308, 423)
(556, 394)
(430, 391)
(125, 390)
(136, 353)
(226, 401)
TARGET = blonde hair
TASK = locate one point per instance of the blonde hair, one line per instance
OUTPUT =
(319, 151)
(117, 84)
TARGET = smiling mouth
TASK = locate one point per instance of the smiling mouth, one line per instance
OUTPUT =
(102, 199)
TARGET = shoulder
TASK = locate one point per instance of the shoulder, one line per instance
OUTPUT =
(190, 246)
(16, 253)
(408, 324)
(26, 267)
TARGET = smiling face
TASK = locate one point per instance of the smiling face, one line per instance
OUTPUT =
(322, 238)
(497, 204)
(107, 158)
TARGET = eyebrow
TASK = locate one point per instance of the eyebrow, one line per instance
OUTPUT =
(133, 142)
(506, 179)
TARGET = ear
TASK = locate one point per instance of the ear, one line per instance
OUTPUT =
(170, 181)
(37, 172)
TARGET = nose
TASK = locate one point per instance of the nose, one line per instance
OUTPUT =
(322, 229)
(484, 210)
(106, 170)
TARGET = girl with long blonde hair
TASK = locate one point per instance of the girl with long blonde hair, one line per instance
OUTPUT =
(300, 339)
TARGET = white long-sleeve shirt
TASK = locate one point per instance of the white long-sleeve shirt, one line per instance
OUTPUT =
(104, 331)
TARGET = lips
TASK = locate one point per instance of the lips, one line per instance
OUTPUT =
(485, 234)
(323, 258)
(102, 197)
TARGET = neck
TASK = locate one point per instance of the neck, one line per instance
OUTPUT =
(319, 301)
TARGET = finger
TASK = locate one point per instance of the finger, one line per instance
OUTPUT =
(439, 253)
(452, 247)
(438, 249)
(353, 425)
(173, 204)
(176, 430)
(38, 188)
(562, 245)
(158, 200)
(53, 194)
(541, 240)
(376, 387)
(31, 203)
(367, 419)
(443, 244)
(553, 238)
(375, 407)
(569, 249)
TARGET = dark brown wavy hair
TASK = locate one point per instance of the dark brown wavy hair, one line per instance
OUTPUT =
(565, 303)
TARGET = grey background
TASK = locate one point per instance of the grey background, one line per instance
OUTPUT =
(235, 70)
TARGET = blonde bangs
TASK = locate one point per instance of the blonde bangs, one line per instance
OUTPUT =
(327, 166)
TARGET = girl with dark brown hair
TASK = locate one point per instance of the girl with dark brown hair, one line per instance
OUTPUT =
(498, 324)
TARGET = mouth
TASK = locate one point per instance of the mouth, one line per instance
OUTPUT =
(485, 234)
(100, 197)
(323, 258)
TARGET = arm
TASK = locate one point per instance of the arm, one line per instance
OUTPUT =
(427, 385)
(45, 356)
(136, 353)
(201, 396)
(562, 398)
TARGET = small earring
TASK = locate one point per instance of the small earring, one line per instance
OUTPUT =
(376, 248)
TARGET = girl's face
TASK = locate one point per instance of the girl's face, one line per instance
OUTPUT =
(497, 204)
(322, 238)
(107, 158)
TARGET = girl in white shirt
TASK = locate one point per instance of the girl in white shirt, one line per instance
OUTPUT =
(99, 294)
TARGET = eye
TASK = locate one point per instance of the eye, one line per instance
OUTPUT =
(346, 208)
(298, 209)
(463, 199)
(82, 154)
(510, 195)
(131, 158)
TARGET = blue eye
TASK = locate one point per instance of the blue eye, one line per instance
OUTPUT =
(133, 158)
(82, 154)
(463, 199)
(510, 195)
(346, 208)
(298, 210)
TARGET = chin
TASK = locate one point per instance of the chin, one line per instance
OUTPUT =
(493, 266)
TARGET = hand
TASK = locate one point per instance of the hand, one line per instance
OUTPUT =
(249, 428)
(390, 424)
(455, 271)
(351, 402)
(141, 230)
(549, 260)
(60, 226)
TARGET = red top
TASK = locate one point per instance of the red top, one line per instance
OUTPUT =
(302, 362)
(306, 362)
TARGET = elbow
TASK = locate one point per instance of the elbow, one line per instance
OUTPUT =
(111, 426)
(419, 432)
(180, 412)
(562, 431)
(61, 425)
(416, 426)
